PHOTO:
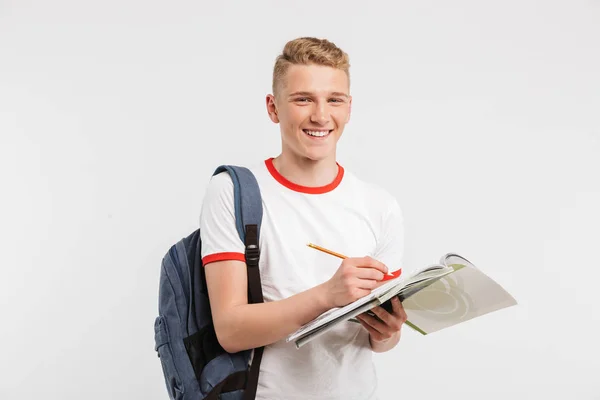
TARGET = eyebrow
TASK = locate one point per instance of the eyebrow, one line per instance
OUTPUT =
(310, 94)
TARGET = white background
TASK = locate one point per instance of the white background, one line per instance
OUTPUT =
(481, 117)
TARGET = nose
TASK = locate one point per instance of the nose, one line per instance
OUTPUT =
(320, 114)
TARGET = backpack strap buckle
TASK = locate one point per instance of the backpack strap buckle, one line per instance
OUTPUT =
(252, 255)
(252, 249)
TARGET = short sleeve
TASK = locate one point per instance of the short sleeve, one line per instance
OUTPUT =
(390, 242)
(220, 239)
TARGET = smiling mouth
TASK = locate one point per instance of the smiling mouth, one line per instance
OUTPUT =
(317, 133)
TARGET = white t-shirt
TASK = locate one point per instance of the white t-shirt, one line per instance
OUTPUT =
(348, 216)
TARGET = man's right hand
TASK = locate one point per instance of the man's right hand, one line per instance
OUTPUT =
(355, 278)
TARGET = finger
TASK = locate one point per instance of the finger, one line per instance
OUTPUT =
(393, 322)
(367, 284)
(375, 323)
(397, 305)
(369, 273)
(403, 316)
(375, 335)
(383, 315)
(398, 309)
(372, 263)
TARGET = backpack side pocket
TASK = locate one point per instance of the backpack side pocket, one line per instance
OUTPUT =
(165, 353)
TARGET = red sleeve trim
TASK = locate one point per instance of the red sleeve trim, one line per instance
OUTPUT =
(223, 257)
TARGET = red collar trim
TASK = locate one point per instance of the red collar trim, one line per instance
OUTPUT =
(304, 189)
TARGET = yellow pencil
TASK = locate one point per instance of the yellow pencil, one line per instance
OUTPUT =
(390, 275)
(324, 250)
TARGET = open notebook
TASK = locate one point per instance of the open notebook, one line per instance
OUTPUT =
(434, 298)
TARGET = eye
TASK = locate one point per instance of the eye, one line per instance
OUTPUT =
(302, 99)
(337, 100)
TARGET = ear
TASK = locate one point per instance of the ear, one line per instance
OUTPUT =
(272, 108)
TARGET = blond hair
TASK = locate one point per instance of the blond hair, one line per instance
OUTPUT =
(306, 51)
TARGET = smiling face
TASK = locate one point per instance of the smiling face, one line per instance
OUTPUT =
(312, 104)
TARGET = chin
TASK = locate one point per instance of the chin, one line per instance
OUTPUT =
(318, 155)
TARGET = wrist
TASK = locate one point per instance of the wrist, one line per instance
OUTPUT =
(380, 346)
(322, 295)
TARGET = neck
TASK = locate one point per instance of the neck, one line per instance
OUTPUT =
(306, 172)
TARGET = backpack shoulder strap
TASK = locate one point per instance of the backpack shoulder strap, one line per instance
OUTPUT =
(246, 197)
(248, 217)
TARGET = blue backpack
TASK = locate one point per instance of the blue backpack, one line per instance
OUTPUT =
(194, 364)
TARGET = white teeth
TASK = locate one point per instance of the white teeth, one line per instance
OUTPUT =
(317, 133)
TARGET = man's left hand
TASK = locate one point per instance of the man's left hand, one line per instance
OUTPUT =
(387, 325)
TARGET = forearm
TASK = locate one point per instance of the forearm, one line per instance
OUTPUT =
(249, 326)
(386, 345)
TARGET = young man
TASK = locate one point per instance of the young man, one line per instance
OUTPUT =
(307, 197)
